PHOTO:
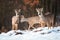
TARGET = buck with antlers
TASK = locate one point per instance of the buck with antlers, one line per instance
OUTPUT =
(45, 20)
(15, 19)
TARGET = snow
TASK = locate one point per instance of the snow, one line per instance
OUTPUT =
(35, 34)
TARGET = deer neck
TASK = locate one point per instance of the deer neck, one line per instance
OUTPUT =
(42, 15)
(22, 17)
(17, 15)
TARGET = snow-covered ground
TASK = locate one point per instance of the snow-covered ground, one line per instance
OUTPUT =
(35, 34)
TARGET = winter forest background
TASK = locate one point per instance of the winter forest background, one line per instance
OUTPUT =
(28, 9)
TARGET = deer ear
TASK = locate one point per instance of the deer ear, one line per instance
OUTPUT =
(36, 8)
(41, 9)
(15, 11)
(19, 10)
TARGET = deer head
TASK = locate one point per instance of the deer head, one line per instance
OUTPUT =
(39, 10)
(17, 11)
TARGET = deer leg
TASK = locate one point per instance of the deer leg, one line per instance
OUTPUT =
(53, 23)
(42, 24)
(33, 27)
(29, 27)
(16, 26)
(13, 27)
(48, 25)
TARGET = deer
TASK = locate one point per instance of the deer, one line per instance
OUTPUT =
(30, 20)
(15, 19)
(45, 20)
